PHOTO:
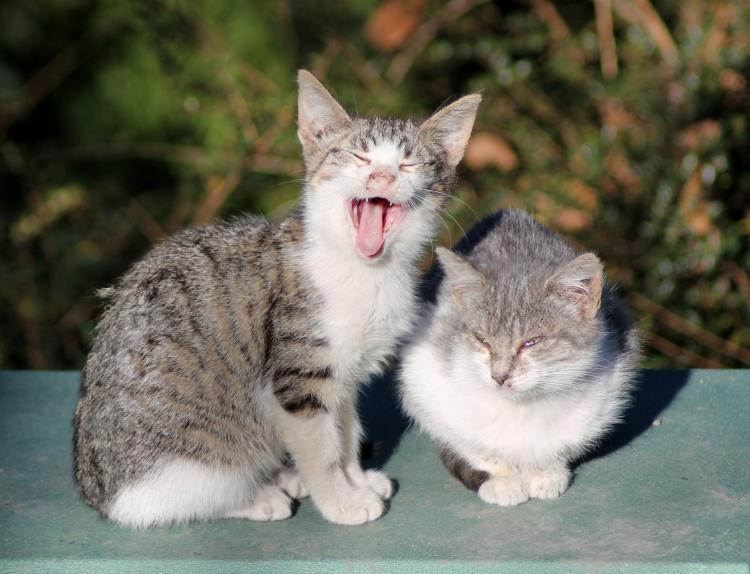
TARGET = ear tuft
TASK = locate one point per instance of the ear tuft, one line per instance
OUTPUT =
(319, 114)
(465, 283)
(452, 126)
(578, 285)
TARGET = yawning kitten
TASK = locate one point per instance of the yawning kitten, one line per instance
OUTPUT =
(229, 349)
(524, 361)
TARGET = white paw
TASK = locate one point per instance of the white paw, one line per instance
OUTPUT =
(548, 483)
(357, 506)
(269, 504)
(380, 483)
(290, 482)
(504, 491)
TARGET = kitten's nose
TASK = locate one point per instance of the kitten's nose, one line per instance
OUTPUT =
(380, 180)
(500, 379)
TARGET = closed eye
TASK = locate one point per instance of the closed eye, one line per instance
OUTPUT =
(482, 341)
(410, 166)
(529, 343)
(361, 159)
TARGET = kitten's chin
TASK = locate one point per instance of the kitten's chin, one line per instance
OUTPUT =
(513, 389)
(374, 219)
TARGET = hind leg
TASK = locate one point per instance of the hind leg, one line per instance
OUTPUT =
(274, 500)
(270, 503)
(290, 482)
(180, 490)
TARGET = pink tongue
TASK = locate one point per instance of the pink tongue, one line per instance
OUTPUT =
(370, 231)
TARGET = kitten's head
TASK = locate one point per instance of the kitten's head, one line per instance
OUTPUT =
(540, 335)
(374, 186)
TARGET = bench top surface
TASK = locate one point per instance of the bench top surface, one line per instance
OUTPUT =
(673, 496)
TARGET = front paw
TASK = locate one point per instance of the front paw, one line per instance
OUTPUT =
(503, 491)
(378, 481)
(548, 483)
(357, 506)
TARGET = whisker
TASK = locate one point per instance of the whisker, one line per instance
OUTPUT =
(451, 196)
(446, 212)
(461, 201)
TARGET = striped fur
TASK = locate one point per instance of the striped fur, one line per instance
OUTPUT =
(229, 349)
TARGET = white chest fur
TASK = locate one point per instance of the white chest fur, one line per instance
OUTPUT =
(366, 308)
(476, 420)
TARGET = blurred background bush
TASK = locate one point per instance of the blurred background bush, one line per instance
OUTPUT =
(622, 123)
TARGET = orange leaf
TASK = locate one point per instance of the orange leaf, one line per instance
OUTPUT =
(391, 24)
(584, 195)
(699, 222)
(694, 206)
(486, 149)
(570, 220)
(700, 135)
(731, 81)
(621, 170)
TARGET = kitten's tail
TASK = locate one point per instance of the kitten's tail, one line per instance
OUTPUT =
(470, 477)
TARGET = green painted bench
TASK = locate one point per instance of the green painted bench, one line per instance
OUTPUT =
(668, 492)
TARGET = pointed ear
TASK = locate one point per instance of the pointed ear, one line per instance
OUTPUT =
(465, 283)
(578, 285)
(318, 114)
(451, 126)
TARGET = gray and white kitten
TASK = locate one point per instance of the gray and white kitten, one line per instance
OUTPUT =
(524, 360)
(231, 349)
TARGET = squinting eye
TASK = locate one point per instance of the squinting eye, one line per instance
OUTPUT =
(360, 158)
(481, 339)
(408, 167)
(531, 342)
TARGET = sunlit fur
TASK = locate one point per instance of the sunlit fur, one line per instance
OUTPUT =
(232, 351)
(519, 413)
(337, 176)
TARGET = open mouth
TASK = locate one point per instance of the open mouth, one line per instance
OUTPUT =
(373, 218)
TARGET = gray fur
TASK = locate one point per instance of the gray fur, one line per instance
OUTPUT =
(525, 358)
(183, 348)
(507, 290)
(470, 477)
(195, 333)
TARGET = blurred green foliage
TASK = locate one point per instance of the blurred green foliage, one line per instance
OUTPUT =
(621, 123)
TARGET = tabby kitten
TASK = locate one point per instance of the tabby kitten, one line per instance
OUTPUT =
(223, 378)
(524, 360)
